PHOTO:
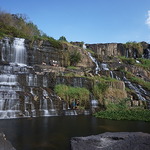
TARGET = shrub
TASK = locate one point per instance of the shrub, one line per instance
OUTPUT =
(75, 57)
(68, 93)
(62, 38)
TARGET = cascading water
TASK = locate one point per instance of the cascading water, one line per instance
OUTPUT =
(138, 91)
(9, 86)
(19, 51)
(104, 66)
(97, 69)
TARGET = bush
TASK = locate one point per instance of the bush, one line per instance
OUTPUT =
(68, 93)
(125, 114)
(75, 57)
(125, 60)
(62, 38)
(144, 63)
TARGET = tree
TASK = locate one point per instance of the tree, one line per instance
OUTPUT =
(62, 38)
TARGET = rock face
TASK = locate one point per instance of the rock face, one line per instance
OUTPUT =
(108, 49)
(29, 72)
(118, 49)
(112, 141)
(4, 144)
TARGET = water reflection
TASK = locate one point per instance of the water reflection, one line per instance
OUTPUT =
(54, 133)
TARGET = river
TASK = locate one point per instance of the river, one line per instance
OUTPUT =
(54, 133)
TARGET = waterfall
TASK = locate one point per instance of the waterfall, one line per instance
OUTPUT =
(6, 79)
(19, 51)
(94, 103)
(104, 66)
(97, 69)
(111, 74)
(47, 105)
(137, 90)
(147, 53)
(45, 81)
(5, 52)
(127, 53)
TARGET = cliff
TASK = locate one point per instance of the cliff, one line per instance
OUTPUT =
(32, 71)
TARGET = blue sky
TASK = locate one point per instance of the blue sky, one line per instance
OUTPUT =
(91, 21)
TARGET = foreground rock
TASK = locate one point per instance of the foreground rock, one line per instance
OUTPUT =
(112, 141)
(4, 144)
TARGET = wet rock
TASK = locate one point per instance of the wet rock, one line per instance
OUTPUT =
(112, 141)
(4, 144)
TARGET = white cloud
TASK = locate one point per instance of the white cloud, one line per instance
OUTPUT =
(148, 18)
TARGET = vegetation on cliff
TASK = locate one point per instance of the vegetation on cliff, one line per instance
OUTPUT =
(17, 25)
(69, 93)
(135, 46)
(138, 80)
(121, 111)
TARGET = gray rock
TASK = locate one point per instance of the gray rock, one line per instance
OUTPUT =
(4, 144)
(112, 141)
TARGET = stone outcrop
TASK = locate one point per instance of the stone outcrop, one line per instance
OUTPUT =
(118, 49)
(112, 141)
(108, 49)
(5, 144)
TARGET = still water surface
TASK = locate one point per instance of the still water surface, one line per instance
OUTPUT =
(54, 133)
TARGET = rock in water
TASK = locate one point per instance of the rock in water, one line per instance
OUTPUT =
(112, 141)
(4, 144)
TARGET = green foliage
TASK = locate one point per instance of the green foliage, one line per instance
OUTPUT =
(138, 80)
(125, 60)
(69, 93)
(135, 45)
(120, 111)
(103, 79)
(75, 57)
(125, 114)
(144, 63)
(16, 25)
(62, 38)
(98, 91)
(90, 51)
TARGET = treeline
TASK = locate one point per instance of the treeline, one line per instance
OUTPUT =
(17, 25)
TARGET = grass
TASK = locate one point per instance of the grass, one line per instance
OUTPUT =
(69, 93)
(125, 114)
(121, 111)
(130, 61)
(138, 80)
(144, 63)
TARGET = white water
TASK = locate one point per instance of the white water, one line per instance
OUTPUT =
(15, 54)
(94, 103)
(7, 79)
(19, 51)
(104, 66)
(137, 90)
(97, 69)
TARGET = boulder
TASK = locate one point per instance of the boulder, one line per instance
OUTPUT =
(5, 144)
(112, 141)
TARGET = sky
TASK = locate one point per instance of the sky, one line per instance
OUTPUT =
(90, 21)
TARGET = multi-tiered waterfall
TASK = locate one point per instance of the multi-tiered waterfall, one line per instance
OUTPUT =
(20, 95)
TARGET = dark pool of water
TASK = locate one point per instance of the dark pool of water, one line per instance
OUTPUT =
(54, 133)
